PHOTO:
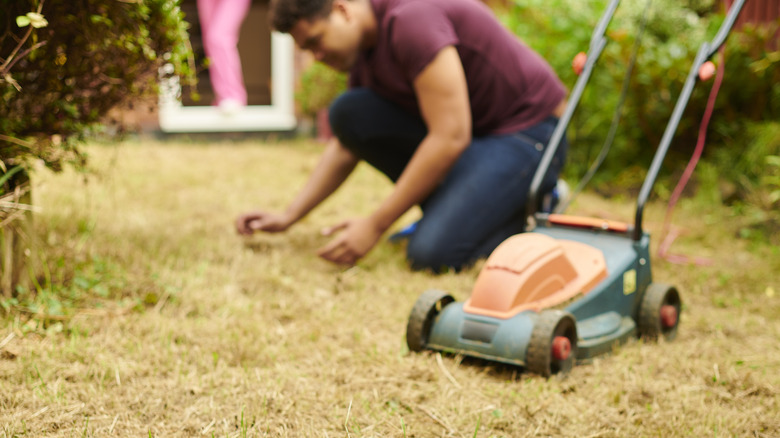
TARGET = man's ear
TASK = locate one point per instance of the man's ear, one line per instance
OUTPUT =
(343, 7)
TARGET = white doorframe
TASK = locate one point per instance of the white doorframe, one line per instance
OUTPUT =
(278, 116)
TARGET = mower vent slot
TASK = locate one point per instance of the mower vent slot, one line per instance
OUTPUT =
(478, 331)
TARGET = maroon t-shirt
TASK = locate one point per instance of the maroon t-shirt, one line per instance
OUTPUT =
(510, 86)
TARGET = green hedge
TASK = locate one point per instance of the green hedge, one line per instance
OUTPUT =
(63, 69)
(749, 96)
(63, 66)
(319, 86)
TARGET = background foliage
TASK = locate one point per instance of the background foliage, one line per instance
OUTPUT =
(60, 79)
(63, 66)
(743, 131)
(319, 86)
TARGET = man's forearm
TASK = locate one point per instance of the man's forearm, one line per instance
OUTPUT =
(427, 168)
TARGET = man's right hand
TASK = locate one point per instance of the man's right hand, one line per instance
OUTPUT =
(248, 223)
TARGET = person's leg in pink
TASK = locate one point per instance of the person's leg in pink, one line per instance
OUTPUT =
(220, 22)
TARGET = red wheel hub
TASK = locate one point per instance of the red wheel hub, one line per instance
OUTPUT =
(561, 348)
(668, 316)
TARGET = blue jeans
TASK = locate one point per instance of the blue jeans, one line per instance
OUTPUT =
(481, 201)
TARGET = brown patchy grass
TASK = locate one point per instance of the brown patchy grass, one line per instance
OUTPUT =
(260, 338)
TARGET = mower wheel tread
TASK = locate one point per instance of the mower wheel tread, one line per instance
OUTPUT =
(656, 296)
(424, 312)
(539, 356)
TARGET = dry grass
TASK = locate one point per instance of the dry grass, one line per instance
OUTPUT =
(261, 338)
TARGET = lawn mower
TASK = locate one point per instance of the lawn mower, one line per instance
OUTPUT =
(569, 288)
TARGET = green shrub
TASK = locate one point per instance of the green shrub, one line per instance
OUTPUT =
(319, 85)
(63, 66)
(64, 69)
(745, 176)
(675, 30)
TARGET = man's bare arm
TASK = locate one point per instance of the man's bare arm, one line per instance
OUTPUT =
(443, 97)
(444, 102)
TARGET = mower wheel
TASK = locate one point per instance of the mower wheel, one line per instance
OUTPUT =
(659, 313)
(424, 312)
(552, 348)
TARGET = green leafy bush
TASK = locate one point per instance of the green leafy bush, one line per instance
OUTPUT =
(675, 29)
(64, 65)
(745, 175)
(319, 86)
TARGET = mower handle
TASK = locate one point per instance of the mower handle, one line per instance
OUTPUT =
(597, 43)
(706, 50)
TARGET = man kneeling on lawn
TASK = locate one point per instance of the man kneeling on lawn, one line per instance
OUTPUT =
(444, 101)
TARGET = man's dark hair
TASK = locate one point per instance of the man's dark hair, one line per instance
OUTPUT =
(286, 13)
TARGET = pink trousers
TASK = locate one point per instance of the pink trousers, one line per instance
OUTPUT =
(220, 23)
